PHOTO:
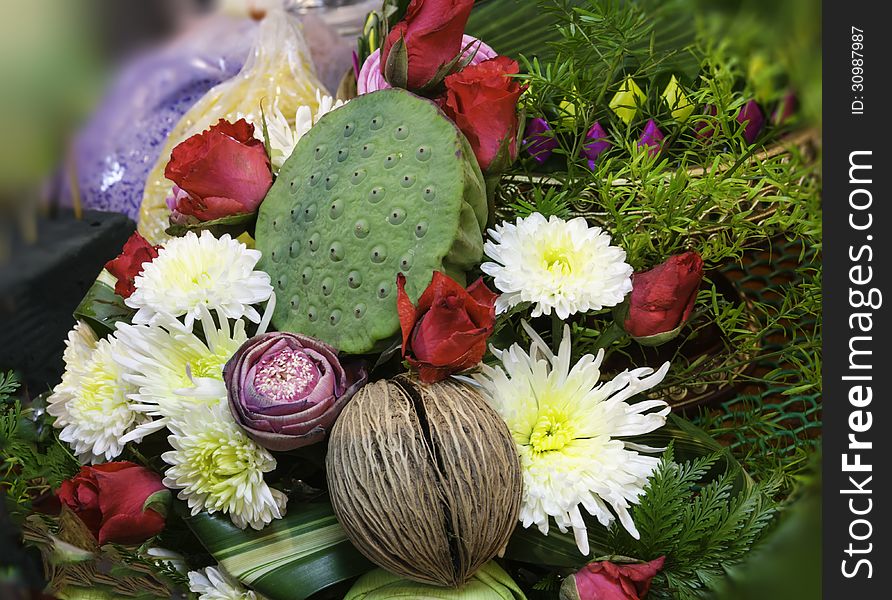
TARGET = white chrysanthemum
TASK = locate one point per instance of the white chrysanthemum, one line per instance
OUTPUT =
(174, 370)
(217, 467)
(194, 271)
(282, 137)
(565, 266)
(566, 427)
(216, 584)
(90, 404)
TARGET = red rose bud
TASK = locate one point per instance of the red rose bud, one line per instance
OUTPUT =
(703, 128)
(129, 263)
(539, 140)
(447, 331)
(663, 298)
(220, 172)
(598, 144)
(482, 100)
(752, 119)
(652, 137)
(432, 33)
(609, 581)
(120, 502)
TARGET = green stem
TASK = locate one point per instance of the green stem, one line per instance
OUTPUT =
(612, 334)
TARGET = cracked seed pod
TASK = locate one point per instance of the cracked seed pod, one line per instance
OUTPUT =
(425, 479)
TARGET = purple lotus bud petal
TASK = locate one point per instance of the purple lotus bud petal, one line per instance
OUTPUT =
(752, 119)
(786, 108)
(538, 140)
(704, 128)
(652, 137)
(598, 144)
(286, 390)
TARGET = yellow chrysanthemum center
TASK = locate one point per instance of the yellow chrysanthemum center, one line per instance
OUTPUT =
(98, 394)
(551, 432)
(210, 365)
(215, 464)
(558, 260)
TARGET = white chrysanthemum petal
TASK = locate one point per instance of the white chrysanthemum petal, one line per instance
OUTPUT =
(173, 370)
(283, 137)
(217, 467)
(90, 404)
(561, 266)
(565, 425)
(216, 584)
(194, 272)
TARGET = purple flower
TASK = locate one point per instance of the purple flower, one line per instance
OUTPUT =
(538, 140)
(596, 146)
(652, 137)
(703, 128)
(752, 119)
(286, 390)
(785, 108)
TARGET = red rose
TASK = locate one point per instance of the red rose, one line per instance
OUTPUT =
(129, 263)
(222, 171)
(448, 329)
(608, 581)
(432, 31)
(662, 299)
(111, 499)
(482, 100)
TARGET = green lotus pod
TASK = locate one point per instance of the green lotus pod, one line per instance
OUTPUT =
(383, 185)
(491, 582)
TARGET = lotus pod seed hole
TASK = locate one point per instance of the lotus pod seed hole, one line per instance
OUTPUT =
(367, 150)
(406, 263)
(330, 181)
(309, 212)
(421, 229)
(313, 243)
(423, 153)
(429, 193)
(376, 195)
(282, 281)
(376, 123)
(349, 128)
(295, 302)
(401, 133)
(327, 286)
(358, 176)
(335, 317)
(336, 252)
(390, 161)
(336, 209)
(314, 178)
(396, 216)
(307, 276)
(359, 310)
(319, 152)
(407, 181)
(343, 153)
(383, 289)
(312, 313)
(294, 250)
(354, 279)
(378, 254)
(361, 229)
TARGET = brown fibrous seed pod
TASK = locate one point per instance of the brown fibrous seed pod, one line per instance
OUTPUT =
(425, 479)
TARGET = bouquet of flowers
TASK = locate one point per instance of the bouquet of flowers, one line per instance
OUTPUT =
(386, 346)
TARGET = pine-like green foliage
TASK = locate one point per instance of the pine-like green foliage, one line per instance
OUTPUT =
(32, 459)
(700, 529)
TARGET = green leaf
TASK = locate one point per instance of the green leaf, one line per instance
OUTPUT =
(159, 502)
(396, 69)
(101, 308)
(292, 558)
(234, 225)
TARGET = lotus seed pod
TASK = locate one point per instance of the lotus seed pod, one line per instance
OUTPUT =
(425, 479)
(383, 185)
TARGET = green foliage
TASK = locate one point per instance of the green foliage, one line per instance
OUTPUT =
(32, 459)
(700, 529)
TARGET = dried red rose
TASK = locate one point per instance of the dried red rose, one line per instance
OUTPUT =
(663, 298)
(447, 331)
(129, 263)
(432, 31)
(220, 172)
(117, 501)
(482, 100)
